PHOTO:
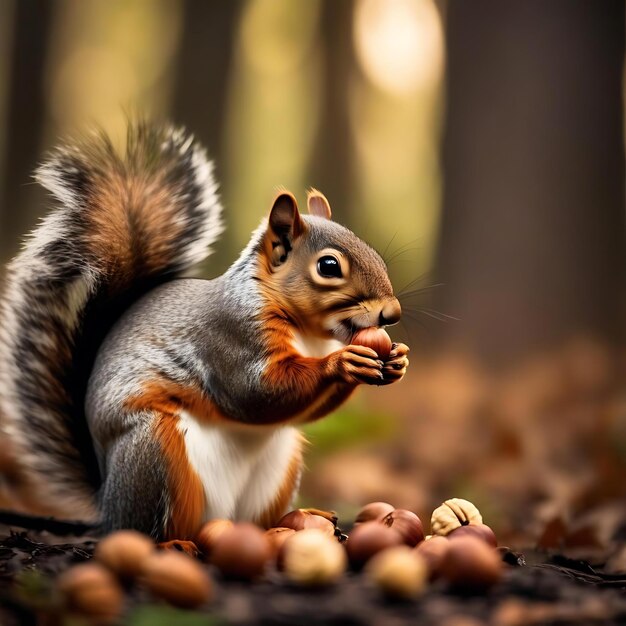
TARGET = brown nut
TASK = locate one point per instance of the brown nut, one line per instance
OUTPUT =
(471, 565)
(301, 519)
(399, 572)
(92, 590)
(313, 558)
(177, 578)
(124, 552)
(278, 536)
(373, 511)
(452, 514)
(242, 552)
(210, 533)
(482, 531)
(434, 552)
(367, 539)
(375, 338)
(407, 524)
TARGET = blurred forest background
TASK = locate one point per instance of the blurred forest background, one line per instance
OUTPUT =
(478, 145)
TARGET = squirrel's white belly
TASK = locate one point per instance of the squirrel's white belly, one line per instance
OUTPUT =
(241, 471)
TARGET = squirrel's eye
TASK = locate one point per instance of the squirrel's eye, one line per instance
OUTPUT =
(328, 267)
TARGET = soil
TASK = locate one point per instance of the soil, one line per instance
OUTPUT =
(537, 588)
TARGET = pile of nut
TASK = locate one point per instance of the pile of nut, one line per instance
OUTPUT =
(387, 544)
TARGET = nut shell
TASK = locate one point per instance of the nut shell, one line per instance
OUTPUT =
(375, 338)
(434, 552)
(92, 590)
(471, 565)
(177, 578)
(368, 539)
(210, 533)
(277, 537)
(481, 531)
(452, 514)
(399, 572)
(124, 552)
(301, 519)
(407, 524)
(373, 511)
(242, 552)
(312, 558)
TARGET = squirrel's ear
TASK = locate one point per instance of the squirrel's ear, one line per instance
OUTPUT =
(317, 204)
(285, 225)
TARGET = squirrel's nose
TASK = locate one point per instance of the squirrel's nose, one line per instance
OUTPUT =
(390, 313)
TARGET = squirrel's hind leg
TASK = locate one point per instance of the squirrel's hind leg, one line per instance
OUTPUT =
(149, 484)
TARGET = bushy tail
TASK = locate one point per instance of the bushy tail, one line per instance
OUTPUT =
(123, 224)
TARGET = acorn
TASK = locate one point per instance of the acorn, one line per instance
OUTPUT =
(399, 572)
(407, 524)
(471, 565)
(124, 552)
(375, 338)
(177, 578)
(301, 519)
(433, 551)
(242, 552)
(90, 589)
(312, 558)
(373, 511)
(482, 531)
(210, 533)
(277, 537)
(367, 539)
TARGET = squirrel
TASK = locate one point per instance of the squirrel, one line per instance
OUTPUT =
(139, 397)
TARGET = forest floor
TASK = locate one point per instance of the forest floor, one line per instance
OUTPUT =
(539, 587)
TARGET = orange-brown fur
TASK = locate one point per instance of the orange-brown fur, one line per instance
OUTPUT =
(186, 492)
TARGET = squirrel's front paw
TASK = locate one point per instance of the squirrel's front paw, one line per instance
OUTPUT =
(358, 364)
(395, 366)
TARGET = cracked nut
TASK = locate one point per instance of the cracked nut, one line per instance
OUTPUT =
(124, 552)
(407, 524)
(301, 519)
(312, 558)
(90, 589)
(452, 514)
(373, 511)
(210, 533)
(242, 552)
(177, 578)
(375, 338)
(399, 572)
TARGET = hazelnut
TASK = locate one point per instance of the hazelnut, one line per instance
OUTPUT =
(301, 519)
(124, 552)
(278, 536)
(92, 590)
(471, 565)
(210, 533)
(399, 572)
(367, 539)
(375, 338)
(452, 514)
(482, 531)
(177, 578)
(242, 552)
(312, 558)
(434, 552)
(407, 524)
(373, 511)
